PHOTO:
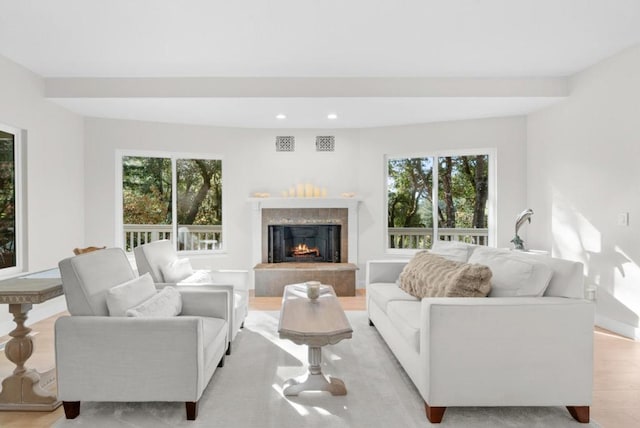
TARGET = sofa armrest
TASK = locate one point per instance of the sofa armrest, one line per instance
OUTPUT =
(207, 300)
(383, 270)
(480, 351)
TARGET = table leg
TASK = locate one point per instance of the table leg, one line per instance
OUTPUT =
(315, 380)
(25, 389)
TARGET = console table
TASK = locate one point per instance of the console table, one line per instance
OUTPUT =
(26, 389)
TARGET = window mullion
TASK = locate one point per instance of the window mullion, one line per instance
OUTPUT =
(174, 201)
(435, 196)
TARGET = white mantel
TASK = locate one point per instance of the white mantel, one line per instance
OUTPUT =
(258, 204)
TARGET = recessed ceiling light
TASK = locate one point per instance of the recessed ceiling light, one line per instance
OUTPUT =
(281, 116)
(332, 116)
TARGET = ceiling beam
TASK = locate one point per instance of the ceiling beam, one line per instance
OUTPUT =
(303, 87)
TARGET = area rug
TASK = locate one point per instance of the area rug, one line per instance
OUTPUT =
(247, 391)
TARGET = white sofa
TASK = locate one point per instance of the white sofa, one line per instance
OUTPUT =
(508, 349)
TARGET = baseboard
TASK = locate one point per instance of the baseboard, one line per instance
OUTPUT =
(618, 327)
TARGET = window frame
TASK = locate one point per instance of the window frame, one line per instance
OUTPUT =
(19, 208)
(173, 156)
(435, 154)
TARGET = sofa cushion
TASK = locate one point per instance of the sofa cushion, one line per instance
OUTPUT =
(176, 270)
(453, 250)
(383, 293)
(405, 317)
(513, 273)
(129, 294)
(431, 275)
(165, 303)
(567, 279)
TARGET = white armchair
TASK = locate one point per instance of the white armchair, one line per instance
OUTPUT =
(154, 258)
(119, 358)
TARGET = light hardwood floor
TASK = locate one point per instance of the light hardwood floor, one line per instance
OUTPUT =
(616, 391)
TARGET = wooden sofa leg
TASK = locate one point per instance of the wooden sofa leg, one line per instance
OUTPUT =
(192, 410)
(229, 349)
(579, 413)
(221, 362)
(71, 409)
(434, 414)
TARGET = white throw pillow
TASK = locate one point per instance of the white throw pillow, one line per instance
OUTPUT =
(176, 270)
(513, 275)
(198, 277)
(129, 294)
(453, 250)
(166, 303)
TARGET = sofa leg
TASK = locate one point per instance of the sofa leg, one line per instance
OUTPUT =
(434, 414)
(229, 349)
(192, 410)
(71, 409)
(579, 413)
(221, 362)
(371, 324)
(242, 325)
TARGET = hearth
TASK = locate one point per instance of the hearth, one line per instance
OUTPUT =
(304, 243)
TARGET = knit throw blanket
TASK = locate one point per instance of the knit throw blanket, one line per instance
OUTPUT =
(430, 275)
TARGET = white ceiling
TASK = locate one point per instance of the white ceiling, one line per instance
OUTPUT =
(313, 38)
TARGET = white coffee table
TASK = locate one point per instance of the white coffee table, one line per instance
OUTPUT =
(316, 324)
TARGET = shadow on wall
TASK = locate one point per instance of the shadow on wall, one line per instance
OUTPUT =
(608, 269)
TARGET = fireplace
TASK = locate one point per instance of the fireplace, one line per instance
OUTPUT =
(316, 240)
(311, 243)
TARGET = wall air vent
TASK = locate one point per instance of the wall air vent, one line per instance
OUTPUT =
(285, 144)
(326, 143)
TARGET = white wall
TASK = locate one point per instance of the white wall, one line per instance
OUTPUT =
(582, 162)
(251, 164)
(55, 176)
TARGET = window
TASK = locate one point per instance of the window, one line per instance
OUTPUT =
(460, 186)
(170, 196)
(10, 202)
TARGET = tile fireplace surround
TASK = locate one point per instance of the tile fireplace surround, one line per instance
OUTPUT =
(270, 278)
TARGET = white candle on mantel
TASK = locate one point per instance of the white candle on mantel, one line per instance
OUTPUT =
(316, 192)
(292, 191)
(300, 191)
(324, 192)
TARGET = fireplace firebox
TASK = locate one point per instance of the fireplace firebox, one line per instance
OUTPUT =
(313, 243)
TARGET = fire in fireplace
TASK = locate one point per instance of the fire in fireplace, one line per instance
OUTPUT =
(304, 243)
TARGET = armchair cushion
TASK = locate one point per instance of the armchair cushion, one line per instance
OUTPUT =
(149, 258)
(88, 277)
(165, 303)
(176, 270)
(129, 294)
